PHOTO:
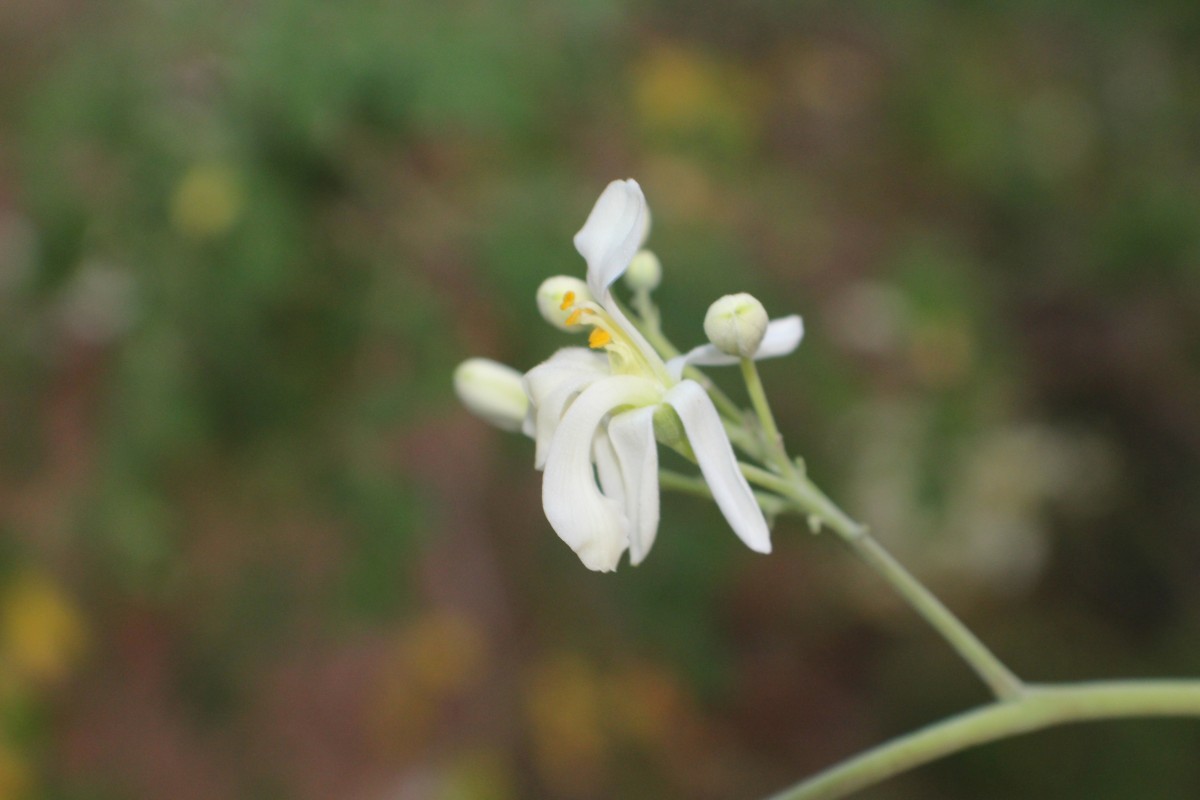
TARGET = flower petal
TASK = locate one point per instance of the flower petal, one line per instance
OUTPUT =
(782, 337)
(719, 465)
(612, 234)
(632, 437)
(594, 526)
(608, 469)
(546, 376)
(553, 384)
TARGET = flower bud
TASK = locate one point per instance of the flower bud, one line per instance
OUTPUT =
(644, 273)
(557, 295)
(736, 324)
(492, 391)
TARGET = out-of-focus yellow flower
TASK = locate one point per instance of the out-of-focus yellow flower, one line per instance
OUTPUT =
(678, 91)
(480, 775)
(438, 657)
(207, 201)
(42, 633)
(942, 352)
(445, 653)
(645, 703)
(564, 703)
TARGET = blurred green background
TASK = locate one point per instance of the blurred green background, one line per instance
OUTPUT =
(251, 547)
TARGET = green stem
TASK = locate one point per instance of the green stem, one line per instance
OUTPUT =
(1018, 708)
(811, 500)
(999, 678)
(1041, 706)
(774, 439)
(670, 480)
(674, 481)
(743, 439)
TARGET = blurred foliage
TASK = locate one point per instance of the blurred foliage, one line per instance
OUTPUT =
(252, 548)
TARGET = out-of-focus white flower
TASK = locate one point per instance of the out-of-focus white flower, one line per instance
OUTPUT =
(99, 304)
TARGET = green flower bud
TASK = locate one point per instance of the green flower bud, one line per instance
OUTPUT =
(557, 296)
(492, 391)
(736, 324)
(644, 273)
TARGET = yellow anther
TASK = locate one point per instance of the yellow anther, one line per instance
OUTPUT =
(599, 338)
(573, 319)
(568, 301)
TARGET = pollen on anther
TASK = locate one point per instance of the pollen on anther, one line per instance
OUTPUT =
(567, 301)
(598, 338)
(573, 318)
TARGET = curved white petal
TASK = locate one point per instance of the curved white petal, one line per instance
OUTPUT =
(782, 337)
(593, 525)
(677, 364)
(719, 465)
(553, 384)
(632, 437)
(612, 234)
(608, 470)
(546, 376)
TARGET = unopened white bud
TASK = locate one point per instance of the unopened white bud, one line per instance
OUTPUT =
(492, 391)
(736, 324)
(557, 296)
(644, 273)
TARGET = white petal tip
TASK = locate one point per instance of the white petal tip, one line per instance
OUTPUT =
(782, 338)
(612, 234)
(598, 561)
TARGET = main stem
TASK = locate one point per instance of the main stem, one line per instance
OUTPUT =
(1039, 707)
(999, 678)
(796, 486)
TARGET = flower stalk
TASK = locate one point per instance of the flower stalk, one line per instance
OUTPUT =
(1004, 684)
(773, 439)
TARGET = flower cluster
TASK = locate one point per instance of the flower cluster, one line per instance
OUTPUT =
(596, 413)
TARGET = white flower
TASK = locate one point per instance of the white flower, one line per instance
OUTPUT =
(594, 411)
